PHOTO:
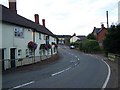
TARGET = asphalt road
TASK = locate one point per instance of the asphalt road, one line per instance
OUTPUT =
(73, 70)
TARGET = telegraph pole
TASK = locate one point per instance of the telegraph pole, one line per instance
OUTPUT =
(107, 19)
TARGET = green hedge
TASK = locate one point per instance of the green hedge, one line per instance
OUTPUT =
(90, 46)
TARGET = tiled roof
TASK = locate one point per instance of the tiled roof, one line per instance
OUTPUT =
(8, 16)
(96, 30)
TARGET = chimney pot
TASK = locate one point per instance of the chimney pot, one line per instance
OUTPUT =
(43, 22)
(102, 26)
(12, 5)
(36, 18)
(94, 28)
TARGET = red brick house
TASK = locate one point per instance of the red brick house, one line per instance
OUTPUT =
(100, 34)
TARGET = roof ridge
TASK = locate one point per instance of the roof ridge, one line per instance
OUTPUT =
(9, 17)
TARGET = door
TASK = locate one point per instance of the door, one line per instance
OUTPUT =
(47, 39)
(12, 57)
(3, 60)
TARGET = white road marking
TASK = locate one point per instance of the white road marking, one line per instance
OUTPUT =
(60, 72)
(68, 68)
(108, 76)
(72, 61)
(75, 64)
(76, 56)
(78, 59)
(22, 85)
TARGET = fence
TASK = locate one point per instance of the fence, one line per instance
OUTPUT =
(113, 57)
(12, 63)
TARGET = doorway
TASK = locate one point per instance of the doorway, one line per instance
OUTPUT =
(3, 64)
(12, 57)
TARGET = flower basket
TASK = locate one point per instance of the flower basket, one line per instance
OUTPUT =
(46, 47)
(32, 45)
(49, 46)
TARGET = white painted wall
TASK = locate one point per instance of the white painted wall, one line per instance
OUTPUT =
(38, 42)
(21, 43)
(9, 40)
(74, 39)
(52, 39)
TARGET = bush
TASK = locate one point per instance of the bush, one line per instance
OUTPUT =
(89, 46)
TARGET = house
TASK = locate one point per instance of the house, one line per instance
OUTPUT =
(62, 39)
(17, 36)
(75, 38)
(100, 34)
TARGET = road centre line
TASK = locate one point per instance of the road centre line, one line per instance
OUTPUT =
(75, 64)
(61, 71)
(76, 56)
(108, 76)
(22, 85)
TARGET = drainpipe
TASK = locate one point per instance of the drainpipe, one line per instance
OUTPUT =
(34, 42)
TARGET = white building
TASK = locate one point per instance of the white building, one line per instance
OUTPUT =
(75, 38)
(16, 33)
(119, 12)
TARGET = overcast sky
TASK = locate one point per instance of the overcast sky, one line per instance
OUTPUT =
(66, 17)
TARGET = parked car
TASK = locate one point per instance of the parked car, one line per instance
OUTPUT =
(72, 47)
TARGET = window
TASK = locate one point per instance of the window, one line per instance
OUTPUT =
(27, 52)
(30, 54)
(40, 36)
(19, 32)
(54, 39)
(47, 39)
(44, 37)
(19, 52)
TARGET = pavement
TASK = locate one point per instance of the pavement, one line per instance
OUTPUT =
(33, 66)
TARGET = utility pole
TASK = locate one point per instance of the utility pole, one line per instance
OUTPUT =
(107, 19)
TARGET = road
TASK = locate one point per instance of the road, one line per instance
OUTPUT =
(73, 70)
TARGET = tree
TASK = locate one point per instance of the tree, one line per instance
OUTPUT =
(91, 36)
(112, 42)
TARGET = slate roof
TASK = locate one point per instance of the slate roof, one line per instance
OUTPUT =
(81, 37)
(63, 36)
(8, 16)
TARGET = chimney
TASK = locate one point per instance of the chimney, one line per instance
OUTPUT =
(43, 22)
(94, 28)
(12, 6)
(36, 18)
(102, 26)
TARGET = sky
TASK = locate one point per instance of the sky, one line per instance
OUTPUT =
(66, 17)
